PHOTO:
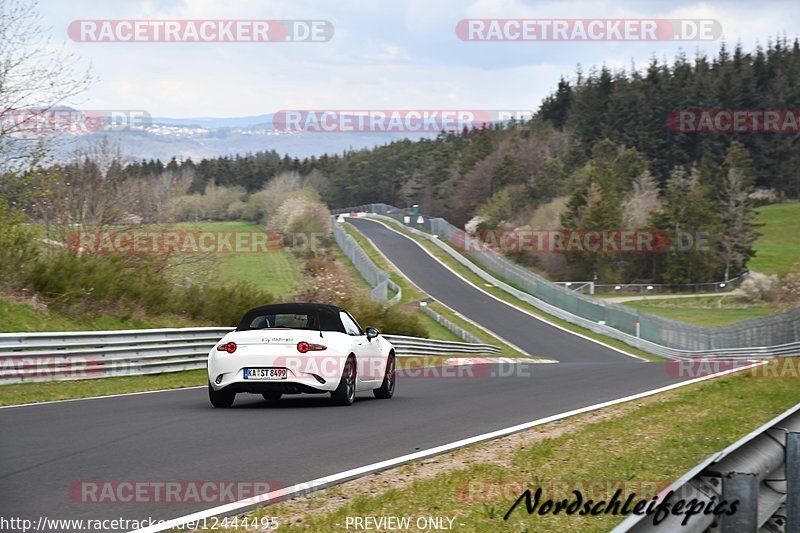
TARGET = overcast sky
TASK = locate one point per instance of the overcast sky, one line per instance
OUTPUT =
(385, 54)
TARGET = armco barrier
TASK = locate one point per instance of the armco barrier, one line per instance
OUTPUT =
(778, 334)
(449, 325)
(762, 471)
(98, 354)
(375, 276)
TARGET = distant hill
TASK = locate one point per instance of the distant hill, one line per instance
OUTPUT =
(208, 137)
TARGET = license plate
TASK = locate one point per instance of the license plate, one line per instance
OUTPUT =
(265, 373)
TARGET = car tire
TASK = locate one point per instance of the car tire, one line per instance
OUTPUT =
(345, 393)
(220, 398)
(386, 390)
(271, 396)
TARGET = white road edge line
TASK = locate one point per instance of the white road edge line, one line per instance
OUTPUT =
(334, 479)
(543, 319)
(101, 397)
(462, 317)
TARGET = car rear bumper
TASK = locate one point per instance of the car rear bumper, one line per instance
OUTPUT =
(304, 374)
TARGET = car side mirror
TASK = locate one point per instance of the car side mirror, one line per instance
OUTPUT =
(372, 333)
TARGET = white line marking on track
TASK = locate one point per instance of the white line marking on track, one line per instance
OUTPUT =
(101, 397)
(334, 479)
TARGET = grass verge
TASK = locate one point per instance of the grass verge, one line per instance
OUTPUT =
(435, 330)
(702, 311)
(410, 292)
(480, 333)
(413, 294)
(84, 388)
(778, 246)
(639, 446)
(19, 393)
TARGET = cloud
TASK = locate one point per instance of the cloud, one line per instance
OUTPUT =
(393, 54)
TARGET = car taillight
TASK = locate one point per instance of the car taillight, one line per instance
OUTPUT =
(304, 347)
(229, 347)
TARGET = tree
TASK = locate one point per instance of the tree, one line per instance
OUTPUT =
(36, 77)
(736, 210)
(641, 202)
(688, 215)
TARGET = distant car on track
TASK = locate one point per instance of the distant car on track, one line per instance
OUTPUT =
(298, 348)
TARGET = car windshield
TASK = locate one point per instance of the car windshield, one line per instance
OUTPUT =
(285, 320)
(291, 317)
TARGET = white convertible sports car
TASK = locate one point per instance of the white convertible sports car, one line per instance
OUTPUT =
(300, 348)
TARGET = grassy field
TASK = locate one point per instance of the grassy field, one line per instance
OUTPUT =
(778, 247)
(702, 311)
(277, 272)
(647, 444)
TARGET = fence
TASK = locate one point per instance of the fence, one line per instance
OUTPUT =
(448, 324)
(99, 354)
(777, 334)
(761, 471)
(645, 288)
(376, 277)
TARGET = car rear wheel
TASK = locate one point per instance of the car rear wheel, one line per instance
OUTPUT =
(345, 393)
(220, 398)
(272, 396)
(386, 390)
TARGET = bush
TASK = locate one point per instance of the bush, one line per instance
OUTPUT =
(788, 291)
(330, 287)
(392, 320)
(89, 283)
(758, 287)
(18, 245)
(222, 305)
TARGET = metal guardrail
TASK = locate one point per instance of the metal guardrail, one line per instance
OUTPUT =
(448, 324)
(382, 282)
(761, 470)
(375, 276)
(98, 354)
(686, 288)
(762, 337)
(418, 346)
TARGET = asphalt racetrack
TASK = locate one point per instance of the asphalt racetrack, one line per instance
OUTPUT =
(49, 452)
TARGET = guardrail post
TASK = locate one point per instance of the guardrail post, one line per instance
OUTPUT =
(793, 482)
(744, 488)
